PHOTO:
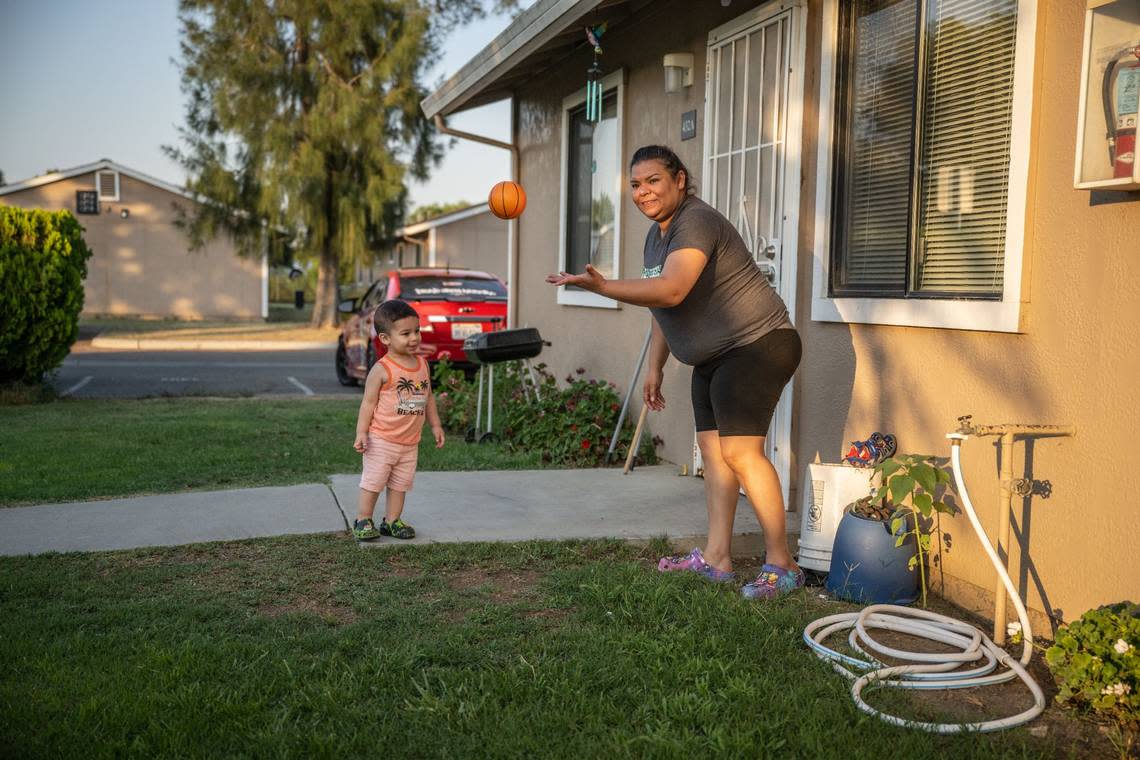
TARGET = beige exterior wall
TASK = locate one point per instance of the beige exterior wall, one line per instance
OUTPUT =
(141, 266)
(1075, 362)
(606, 342)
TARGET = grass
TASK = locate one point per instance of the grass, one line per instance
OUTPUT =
(73, 450)
(284, 323)
(310, 646)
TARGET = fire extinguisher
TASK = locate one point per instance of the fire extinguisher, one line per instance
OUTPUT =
(1121, 92)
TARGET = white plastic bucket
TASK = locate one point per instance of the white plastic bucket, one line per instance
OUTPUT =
(827, 489)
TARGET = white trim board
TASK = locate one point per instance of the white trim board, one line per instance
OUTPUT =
(439, 221)
(105, 164)
(576, 297)
(960, 314)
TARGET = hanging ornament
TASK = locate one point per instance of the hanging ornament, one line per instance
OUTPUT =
(594, 76)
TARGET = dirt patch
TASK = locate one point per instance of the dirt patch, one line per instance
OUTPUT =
(554, 615)
(326, 611)
(506, 586)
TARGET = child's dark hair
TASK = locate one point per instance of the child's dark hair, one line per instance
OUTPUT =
(667, 157)
(389, 312)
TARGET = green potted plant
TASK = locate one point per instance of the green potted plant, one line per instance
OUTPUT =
(886, 536)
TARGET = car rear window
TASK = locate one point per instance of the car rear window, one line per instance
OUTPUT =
(451, 289)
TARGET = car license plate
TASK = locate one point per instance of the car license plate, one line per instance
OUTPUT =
(464, 330)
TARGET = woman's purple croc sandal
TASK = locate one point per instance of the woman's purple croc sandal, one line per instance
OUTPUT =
(773, 581)
(694, 562)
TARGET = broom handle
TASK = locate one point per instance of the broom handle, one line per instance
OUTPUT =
(634, 444)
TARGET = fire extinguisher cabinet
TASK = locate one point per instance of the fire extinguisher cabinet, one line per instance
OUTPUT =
(1106, 157)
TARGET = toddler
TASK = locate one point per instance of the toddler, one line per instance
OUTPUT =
(397, 399)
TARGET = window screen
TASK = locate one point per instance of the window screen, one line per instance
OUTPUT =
(594, 176)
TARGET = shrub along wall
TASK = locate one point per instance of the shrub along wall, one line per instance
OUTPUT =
(569, 426)
(43, 261)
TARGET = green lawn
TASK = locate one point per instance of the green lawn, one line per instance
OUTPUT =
(72, 450)
(312, 647)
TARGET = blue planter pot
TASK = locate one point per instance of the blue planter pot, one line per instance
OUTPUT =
(867, 567)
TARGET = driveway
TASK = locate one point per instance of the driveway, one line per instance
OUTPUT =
(90, 373)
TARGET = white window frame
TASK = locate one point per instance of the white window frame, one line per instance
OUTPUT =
(957, 314)
(99, 184)
(577, 297)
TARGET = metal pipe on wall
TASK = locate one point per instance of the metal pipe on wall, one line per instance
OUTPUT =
(1007, 488)
(513, 224)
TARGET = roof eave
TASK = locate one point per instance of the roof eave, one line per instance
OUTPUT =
(533, 28)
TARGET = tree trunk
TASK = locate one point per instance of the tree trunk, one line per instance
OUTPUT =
(325, 302)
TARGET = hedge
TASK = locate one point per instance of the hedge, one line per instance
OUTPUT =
(43, 261)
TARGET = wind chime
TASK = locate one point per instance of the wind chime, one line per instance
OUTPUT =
(594, 76)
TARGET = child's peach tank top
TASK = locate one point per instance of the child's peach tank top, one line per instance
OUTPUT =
(402, 404)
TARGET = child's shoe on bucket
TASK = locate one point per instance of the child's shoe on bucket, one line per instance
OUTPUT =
(396, 529)
(773, 581)
(365, 530)
(694, 562)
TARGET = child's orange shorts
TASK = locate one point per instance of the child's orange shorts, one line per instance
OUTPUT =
(388, 464)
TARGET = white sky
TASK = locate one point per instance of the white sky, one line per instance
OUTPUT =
(92, 79)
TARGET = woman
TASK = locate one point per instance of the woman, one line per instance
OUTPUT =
(713, 309)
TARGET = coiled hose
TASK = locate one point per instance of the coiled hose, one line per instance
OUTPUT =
(931, 670)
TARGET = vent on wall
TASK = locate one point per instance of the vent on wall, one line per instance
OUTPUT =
(107, 182)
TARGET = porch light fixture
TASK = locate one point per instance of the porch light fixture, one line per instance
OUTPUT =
(678, 71)
(125, 213)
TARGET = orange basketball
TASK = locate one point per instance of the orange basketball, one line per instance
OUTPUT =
(507, 200)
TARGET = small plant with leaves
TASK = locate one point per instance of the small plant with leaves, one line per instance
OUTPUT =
(1096, 664)
(908, 495)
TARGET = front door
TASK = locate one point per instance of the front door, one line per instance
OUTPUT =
(753, 122)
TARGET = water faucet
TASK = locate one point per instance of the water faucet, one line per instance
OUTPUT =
(965, 427)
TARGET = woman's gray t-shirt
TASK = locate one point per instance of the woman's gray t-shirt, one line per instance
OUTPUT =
(732, 303)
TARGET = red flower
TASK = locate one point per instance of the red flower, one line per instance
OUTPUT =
(613, 407)
(573, 427)
(586, 444)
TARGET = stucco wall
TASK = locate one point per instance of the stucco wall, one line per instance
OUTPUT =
(141, 266)
(606, 343)
(477, 242)
(1074, 363)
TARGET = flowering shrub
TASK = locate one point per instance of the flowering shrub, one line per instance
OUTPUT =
(1096, 663)
(569, 425)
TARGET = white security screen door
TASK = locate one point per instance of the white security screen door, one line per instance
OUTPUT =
(753, 117)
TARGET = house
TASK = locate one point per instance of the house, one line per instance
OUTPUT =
(141, 263)
(910, 196)
(468, 238)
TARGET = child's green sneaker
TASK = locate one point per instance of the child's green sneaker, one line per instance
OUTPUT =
(396, 529)
(365, 530)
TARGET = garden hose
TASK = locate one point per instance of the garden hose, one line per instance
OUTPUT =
(931, 670)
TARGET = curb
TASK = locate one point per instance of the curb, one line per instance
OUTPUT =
(175, 344)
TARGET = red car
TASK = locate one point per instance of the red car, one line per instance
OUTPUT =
(453, 304)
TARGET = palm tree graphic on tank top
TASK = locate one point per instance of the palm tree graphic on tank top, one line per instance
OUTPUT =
(411, 397)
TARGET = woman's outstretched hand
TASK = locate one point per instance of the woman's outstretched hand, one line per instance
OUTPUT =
(591, 279)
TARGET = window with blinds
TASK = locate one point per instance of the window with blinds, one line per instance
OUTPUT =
(925, 101)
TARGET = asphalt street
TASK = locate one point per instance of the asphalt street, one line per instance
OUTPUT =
(90, 373)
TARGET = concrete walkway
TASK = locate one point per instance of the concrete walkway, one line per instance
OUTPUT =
(444, 507)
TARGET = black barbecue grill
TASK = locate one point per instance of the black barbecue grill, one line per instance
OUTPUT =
(503, 345)
(490, 348)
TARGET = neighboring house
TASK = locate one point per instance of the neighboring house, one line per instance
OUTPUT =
(470, 238)
(141, 263)
(975, 280)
